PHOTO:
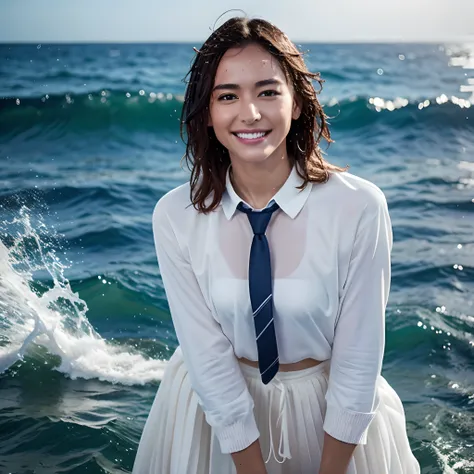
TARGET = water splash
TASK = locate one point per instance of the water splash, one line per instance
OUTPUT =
(47, 312)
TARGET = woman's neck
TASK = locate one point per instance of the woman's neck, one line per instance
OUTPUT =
(257, 184)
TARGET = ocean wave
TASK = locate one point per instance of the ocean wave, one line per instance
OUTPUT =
(90, 112)
(104, 109)
(434, 113)
(72, 196)
(442, 275)
(53, 322)
(416, 203)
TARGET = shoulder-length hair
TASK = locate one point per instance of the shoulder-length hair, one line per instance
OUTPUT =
(206, 157)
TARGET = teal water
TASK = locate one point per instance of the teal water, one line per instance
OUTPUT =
(89, 142)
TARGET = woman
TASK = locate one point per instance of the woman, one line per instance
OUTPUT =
(276, 266)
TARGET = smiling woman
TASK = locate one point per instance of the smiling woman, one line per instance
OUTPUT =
(241, 71)
(252, 117)
(276, 266)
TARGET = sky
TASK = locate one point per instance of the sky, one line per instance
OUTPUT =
(43, 21)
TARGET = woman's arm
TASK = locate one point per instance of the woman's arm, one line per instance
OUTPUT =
(336, 456)
(213, 369)
(359, 339)
(250, 460)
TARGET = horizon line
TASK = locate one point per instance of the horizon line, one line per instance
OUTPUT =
(334, 41)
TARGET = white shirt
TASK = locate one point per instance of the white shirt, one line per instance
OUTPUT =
(330, 247)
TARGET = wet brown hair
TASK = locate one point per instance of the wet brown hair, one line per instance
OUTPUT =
(206, 157)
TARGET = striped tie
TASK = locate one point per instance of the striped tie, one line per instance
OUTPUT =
(261, 292)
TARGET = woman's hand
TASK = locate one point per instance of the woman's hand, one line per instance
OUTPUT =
(250, 460)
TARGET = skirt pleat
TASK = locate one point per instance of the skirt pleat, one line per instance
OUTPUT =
(314, 419)
(177, 439)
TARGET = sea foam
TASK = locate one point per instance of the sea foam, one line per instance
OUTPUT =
(55, 318)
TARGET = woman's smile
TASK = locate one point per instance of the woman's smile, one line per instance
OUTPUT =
(251, 137)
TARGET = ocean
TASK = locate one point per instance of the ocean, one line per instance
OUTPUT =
(89, 141)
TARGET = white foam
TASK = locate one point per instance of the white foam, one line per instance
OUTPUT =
(56, 319)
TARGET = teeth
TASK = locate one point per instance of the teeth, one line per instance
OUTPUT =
(250, 136)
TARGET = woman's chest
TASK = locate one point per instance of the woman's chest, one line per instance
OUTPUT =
(295, 300)
(304, 263)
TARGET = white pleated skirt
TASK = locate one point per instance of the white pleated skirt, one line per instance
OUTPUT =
(289, 412)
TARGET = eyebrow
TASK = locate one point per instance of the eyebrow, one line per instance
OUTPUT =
(265, 82)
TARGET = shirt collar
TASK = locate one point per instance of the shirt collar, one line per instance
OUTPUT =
(290, 199)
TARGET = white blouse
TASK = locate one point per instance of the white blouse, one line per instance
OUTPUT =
(330, 247)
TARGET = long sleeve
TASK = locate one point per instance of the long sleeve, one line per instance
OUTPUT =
(208, 355)
(359, 340)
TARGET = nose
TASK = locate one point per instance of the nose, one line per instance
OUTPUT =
(249, 113)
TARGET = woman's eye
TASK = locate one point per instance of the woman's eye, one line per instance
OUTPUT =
(269, 93)
(227, 97)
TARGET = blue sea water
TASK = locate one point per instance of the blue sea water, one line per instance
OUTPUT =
(89, 141)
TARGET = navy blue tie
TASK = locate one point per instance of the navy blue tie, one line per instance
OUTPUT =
(261, 292)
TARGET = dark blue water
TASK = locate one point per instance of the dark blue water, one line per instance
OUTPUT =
(89, 141)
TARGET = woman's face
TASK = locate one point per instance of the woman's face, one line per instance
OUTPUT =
(252, 105)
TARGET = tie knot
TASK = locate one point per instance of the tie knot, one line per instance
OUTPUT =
(259, 219)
